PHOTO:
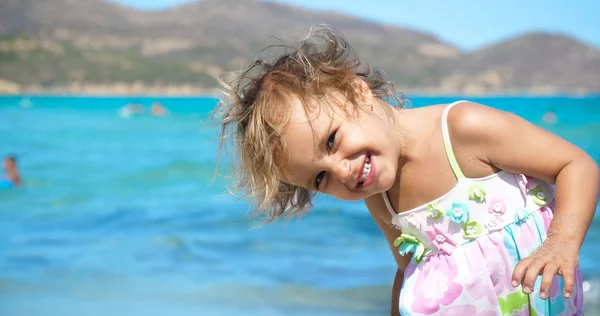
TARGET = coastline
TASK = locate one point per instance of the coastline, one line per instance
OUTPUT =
(195, 92)
(139, 89)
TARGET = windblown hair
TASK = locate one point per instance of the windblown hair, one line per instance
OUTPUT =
(256, 108)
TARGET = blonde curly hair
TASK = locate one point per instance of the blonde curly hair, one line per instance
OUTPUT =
(256, 108)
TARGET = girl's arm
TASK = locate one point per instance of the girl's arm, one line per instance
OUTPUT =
(506, 141)
(398, 279)
(382, 218)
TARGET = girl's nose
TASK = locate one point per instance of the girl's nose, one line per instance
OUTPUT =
(343, 170)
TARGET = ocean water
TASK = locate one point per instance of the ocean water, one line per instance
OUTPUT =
(122, 216)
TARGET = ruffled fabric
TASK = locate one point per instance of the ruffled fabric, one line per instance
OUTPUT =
(475, 278)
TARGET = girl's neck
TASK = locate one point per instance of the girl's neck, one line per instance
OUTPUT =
(407, 125)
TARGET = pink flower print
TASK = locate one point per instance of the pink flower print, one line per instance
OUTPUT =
(528, 237)
(460, 310)
(438, 288)
(475, 286)
(440, 239)
(489, 269)
(497, 206)
(488, 312)
(499, 266)
(458, 212)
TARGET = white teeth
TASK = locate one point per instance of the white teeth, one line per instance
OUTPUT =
(365, 171)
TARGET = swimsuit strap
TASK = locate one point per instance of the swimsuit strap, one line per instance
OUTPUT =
(389, 206)
(447, 144)
(449, 153)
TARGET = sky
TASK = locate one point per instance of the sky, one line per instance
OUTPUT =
(468, 24)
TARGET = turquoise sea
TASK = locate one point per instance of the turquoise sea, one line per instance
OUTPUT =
(121, 216)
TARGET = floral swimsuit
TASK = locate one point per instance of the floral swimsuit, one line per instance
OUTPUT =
(466, 244)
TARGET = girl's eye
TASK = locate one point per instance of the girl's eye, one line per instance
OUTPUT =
(319, 178)
(330, 143)
(331, 140)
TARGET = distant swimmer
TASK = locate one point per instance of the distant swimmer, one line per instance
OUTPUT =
(550, 118)
(12, 178)
(158, 109)
(130, 110)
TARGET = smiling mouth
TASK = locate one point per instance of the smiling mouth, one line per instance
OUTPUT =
(366, 170)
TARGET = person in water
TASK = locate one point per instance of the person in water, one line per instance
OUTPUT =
(157, 109)
(462, 192)
(11, 170)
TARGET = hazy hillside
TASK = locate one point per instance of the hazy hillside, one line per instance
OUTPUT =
(538, 59)
(64, 42)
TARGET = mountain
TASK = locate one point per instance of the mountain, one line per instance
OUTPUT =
(58, 43)
(541, 60)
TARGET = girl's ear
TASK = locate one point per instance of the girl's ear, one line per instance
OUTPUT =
(363, 92)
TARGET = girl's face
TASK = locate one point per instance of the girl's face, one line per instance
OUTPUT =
(347, 157)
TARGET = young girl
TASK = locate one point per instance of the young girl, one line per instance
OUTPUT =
(461, 191)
